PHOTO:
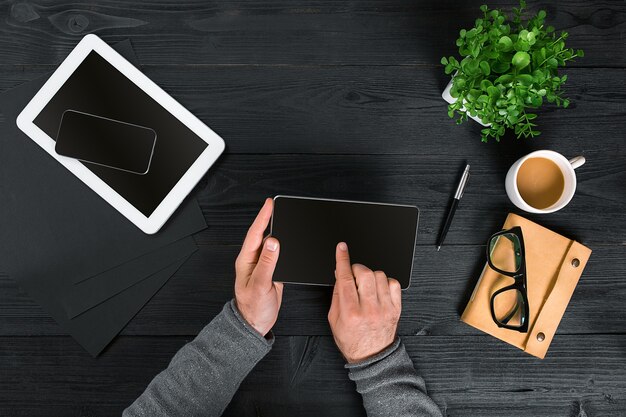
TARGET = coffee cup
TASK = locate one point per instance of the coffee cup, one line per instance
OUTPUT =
(542, 181)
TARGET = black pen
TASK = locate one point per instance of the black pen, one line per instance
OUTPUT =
(455, 202)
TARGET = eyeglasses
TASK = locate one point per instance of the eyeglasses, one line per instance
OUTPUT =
(509, 304)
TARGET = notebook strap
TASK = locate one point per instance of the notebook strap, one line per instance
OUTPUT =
(543, 330)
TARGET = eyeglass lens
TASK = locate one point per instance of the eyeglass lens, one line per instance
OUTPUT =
(505, 252)
(508, 307)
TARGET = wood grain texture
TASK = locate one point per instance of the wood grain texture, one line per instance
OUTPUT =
(374, 110)
(467, 376)
(342, 99)
(441, 285)
(378, 32)
(236, 187)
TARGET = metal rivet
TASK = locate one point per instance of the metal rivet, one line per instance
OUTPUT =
(541, 337)
(575, 262)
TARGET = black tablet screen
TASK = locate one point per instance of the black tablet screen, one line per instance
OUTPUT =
(97, 88)
(379, 236)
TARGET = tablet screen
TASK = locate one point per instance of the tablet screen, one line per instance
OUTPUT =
(98, 88)
(379, 236)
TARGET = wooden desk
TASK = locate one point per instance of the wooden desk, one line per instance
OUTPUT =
(341, 99)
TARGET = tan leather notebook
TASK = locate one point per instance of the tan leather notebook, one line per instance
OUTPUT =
(554, 264)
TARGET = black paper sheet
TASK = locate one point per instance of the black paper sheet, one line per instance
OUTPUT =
(56, 231)
(91, 292)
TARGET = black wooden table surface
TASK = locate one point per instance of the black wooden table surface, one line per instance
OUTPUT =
(342, 99)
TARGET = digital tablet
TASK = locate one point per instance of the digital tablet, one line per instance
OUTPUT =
(95, 84)
(379, 236)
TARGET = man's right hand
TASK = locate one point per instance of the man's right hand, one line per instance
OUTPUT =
(365, 309)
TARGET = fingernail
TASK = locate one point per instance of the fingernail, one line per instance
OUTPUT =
(343, 246)
(271, 244)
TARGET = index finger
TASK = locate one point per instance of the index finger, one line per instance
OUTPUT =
(254, 238)
(345, 283)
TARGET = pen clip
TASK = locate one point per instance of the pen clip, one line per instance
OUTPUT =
(461, 188)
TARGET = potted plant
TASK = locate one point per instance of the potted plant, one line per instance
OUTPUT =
(509, 67)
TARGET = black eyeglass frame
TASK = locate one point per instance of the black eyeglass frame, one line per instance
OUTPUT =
(519, 278)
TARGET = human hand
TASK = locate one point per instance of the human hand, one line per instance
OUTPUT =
(365, 309)
(257, 297)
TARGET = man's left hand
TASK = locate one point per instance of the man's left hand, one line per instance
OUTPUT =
(258, 298)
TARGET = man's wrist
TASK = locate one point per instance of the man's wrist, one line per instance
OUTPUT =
(374, 358)
(267, 335)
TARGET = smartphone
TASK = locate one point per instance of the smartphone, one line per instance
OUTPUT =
(379, 236)
(102, 141)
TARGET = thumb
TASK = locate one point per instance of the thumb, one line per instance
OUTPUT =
(264, 269)
(278, 286)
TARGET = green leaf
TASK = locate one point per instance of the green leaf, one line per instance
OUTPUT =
(444, 61)
(493, 91)
(525, 79)
(484, 8)
(504, 79)
(485, 84)
(523, 35)
(541, 14)
(485, 68)
(473, 94)
(500, 67)
(462, 33)
(521, 45)
(505, 44)
(520, 60)
(490, 53)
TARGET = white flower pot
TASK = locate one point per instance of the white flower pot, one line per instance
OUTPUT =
(447, 97)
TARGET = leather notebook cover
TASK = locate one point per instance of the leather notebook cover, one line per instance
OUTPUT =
(554, 264)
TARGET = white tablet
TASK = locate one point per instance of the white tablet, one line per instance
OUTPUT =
(96, 80)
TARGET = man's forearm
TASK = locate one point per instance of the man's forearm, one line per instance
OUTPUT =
(205, 374)
(391, 387)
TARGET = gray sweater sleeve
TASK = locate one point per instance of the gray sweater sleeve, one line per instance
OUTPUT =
(390, 386)
(204, 375)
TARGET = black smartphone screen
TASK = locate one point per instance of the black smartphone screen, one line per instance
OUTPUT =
(379, 236)
(102, 141)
